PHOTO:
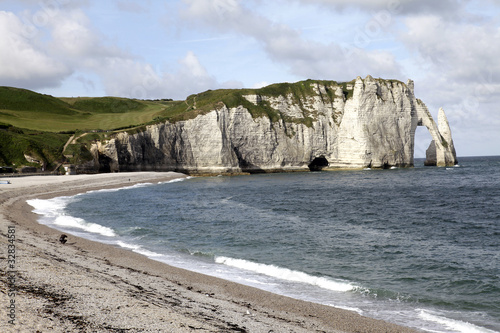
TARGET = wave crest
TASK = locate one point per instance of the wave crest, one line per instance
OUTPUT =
(286, 274)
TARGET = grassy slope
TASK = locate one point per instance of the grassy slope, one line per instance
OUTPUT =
(44, 146)
(40, 125)
(26, 109)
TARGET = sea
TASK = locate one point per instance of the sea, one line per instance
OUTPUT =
(415, 246)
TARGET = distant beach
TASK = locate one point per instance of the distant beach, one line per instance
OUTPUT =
(88, 286)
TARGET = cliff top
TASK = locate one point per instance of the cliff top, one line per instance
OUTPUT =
(30, 110)
(298, 92)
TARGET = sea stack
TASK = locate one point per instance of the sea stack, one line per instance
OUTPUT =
(442, 152)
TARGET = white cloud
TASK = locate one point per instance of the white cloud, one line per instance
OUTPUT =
(445, 7)
(24, 62)
(48, 5)
(304, 58)
(72, 36)
(40, 56)
(129, 78)
(192, 66)
(75, 40)
(460, 61)
(464, 52)
(460, 72)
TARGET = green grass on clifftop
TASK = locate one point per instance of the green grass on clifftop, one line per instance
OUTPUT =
(105, 104)
(26, 109)
(213, 99)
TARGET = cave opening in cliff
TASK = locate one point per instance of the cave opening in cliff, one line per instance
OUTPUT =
(318, 164)
(104, 164)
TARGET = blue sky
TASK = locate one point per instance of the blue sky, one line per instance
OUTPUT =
(170, 49)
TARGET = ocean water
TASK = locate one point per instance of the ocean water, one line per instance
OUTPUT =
(418, 247)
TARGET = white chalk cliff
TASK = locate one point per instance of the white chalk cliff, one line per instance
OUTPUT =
(312, 124)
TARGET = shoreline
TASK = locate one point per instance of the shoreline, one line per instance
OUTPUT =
(85, 286)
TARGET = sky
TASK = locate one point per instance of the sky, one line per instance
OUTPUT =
(151, 49)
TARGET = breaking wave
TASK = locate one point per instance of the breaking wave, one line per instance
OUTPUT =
(286, 274)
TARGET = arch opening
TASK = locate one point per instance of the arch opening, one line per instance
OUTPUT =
(318, 164)
(422, 139)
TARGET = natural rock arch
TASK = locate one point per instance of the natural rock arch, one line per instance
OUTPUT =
(441, 151)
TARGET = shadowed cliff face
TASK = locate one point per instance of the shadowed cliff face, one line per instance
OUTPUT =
(364, 123)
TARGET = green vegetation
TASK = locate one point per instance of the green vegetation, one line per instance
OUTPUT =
(105, 104)
(77, 153)
(42, 146)
(15, 99)
(27, 109)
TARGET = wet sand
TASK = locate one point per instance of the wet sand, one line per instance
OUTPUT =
(85, 286)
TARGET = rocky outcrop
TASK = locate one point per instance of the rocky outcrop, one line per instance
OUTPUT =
(323, 125)
(441, 151)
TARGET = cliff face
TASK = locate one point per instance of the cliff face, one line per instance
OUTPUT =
(365, 123)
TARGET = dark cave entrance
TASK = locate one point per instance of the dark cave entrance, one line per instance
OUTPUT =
(318, 164)
(104, 164)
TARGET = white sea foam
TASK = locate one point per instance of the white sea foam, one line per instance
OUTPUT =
(357, 310)
(257, 282)
(120, 188)
(138, 249)
(78, 223)
(53, 212)
(132, 247)
(176, 180)
(50, 207)
(456, 325)
(149, 254)
(285, 274)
